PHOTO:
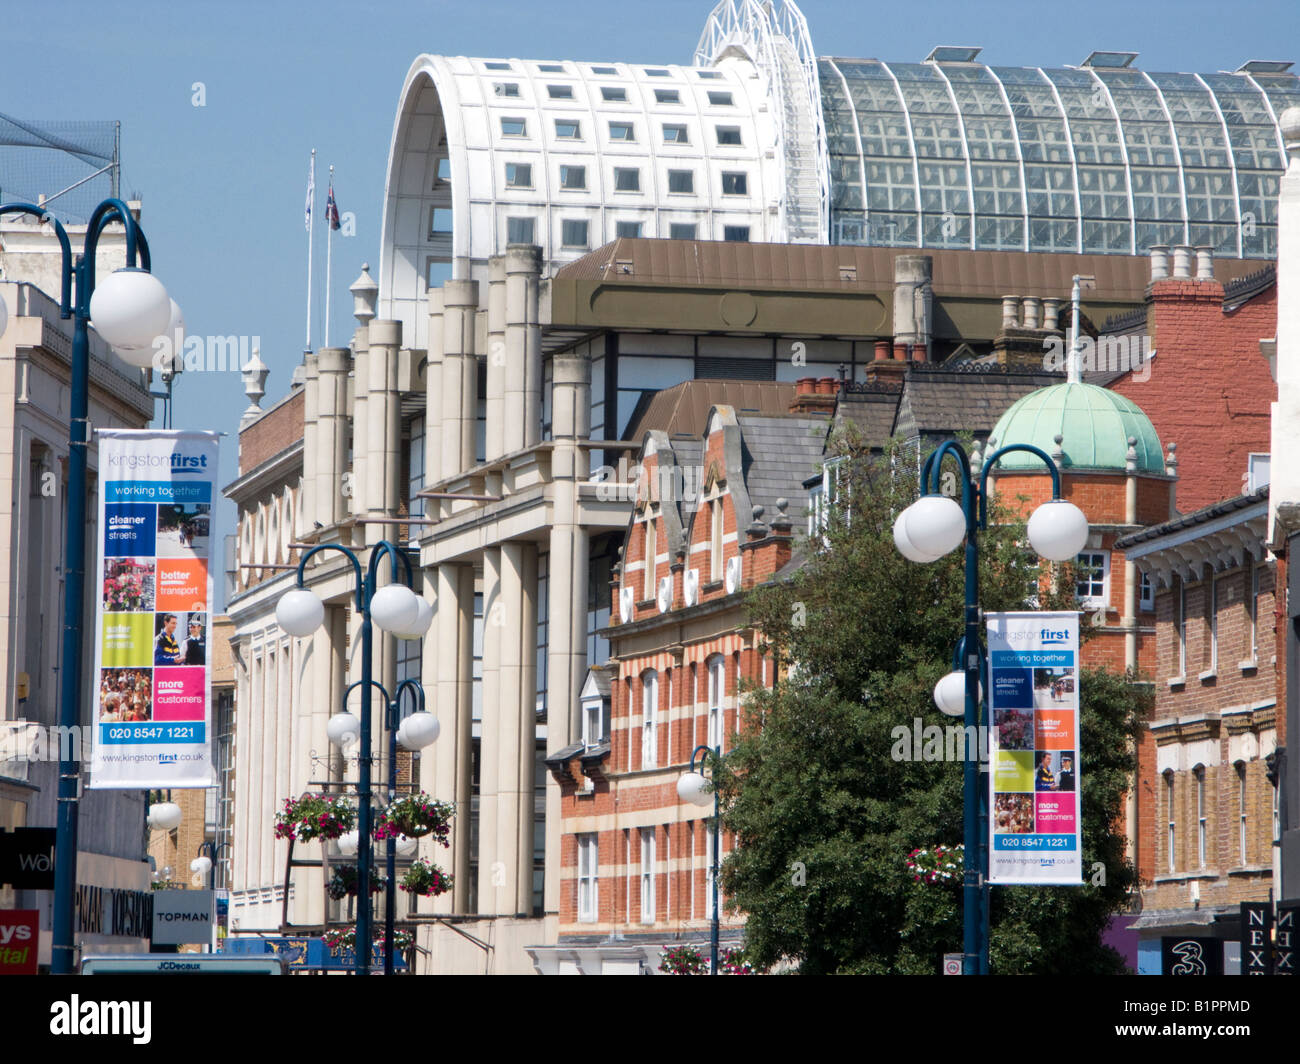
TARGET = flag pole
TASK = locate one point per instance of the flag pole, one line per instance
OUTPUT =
(329, 255)
(311, 196)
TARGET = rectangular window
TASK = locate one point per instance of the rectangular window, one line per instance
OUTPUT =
(1180, 625)
(728, 134)
(588, 873)
(573, 178)
(506, 88)
(707, 74)
(622, 131)
(736, 234)
(1092, 585)
(551, 68)
(1252, 609)
(605, 70)
(667, 96)
(1201, 821)
(682, 231)
(442, 173)
(647, 875)
(521, 231)
(1212, 622)
(1169, 816)
(649, 718)
(1146, 593)
(568, 129)
(497, 65)
(676, 134)
(656, 72)
(1257, 471)
(560, 92)
(514, 127)
(573, 233)
(681, 181)
(717, 691)
(735, 183)
(630, 230)
(627, 179)
(439, 222)
(519, 175)
(613, 94)
(720, 99)
(1242, 839)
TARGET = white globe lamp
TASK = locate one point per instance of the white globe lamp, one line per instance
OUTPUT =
(1058, 530)
(128, 309)
(423, 619)
(418, 731)
(693, 787)
(934, 524)
(395, 608)
(950, 694)
(348, 843)
(299, 612)
(343, 729)
(406, 846)
(164, 816)
(201, 865)
(905, 546)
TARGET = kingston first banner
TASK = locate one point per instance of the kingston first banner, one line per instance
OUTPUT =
(153, 623)
(1035, 831)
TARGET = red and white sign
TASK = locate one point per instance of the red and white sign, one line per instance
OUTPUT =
(20, 937)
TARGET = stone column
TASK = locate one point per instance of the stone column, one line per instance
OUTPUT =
(330, 463)
(491, 895)
(433, 397)
(310, 450)
(383, 427)
(518, 756)
(496, 358)
(912, 301)
(446, 770)
(360, 420)
(523, 369)
(567, 583)
(459, 376)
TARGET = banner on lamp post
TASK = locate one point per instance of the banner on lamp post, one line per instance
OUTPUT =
(1035, 829)
(153, 620)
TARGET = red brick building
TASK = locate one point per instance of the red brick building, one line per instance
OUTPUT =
(1210, 817)
(713, 518)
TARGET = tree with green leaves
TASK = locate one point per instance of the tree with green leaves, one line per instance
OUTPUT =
(826, 817)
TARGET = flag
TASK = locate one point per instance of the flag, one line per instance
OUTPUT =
(311, 190)
(331, 209)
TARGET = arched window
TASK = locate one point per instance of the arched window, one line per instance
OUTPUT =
(717, 668)
(1202, 816)
(1172, 831)
(651, 549)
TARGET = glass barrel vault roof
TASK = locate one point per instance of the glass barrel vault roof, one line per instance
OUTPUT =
(1101, 160)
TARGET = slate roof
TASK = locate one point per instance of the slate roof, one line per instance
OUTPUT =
(780, 453)
(683, 409)
(1196, 517)
(872, 413)
(939, 402)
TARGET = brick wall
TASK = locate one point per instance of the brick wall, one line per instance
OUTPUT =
(1209, 388)
(270, 434)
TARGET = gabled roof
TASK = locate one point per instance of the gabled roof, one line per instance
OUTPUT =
(683, 409)
(942, 401)
(780, 453)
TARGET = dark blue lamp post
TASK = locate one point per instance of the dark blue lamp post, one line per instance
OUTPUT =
(130, 311)
(695, 787)
(394, 608)
(924, 532)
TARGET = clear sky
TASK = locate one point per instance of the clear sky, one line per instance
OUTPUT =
(224, 184)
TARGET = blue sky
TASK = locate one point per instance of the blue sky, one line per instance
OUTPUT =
(223, 185)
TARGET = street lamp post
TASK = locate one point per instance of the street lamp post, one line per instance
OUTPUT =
(924, 532)
(205, 864)
(132, 311)
(394, 608)
(695, 788)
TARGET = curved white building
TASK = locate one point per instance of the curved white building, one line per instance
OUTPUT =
(762, 140)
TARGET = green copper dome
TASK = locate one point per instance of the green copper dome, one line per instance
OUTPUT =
(1095, 425)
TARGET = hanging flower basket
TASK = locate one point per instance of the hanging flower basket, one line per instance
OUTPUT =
(690, 960)
(424, 877)
(346, 938)
(343, 881)
(415, 815)
(937, 864)
(315, 816)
